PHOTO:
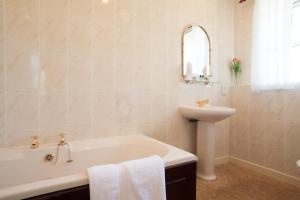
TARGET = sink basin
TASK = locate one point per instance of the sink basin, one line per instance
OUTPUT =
(206, 117)
(206, 113)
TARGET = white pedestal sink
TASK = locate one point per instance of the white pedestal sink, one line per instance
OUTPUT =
(206, 117)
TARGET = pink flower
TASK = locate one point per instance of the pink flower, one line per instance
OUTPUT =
(235, 59)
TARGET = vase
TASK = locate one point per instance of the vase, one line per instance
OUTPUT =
(235, 76)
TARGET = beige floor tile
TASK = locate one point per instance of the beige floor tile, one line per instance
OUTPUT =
(237, 183)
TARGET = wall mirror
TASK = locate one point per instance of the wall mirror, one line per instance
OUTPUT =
(196, 54)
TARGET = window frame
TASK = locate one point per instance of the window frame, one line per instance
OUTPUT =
(296, 4)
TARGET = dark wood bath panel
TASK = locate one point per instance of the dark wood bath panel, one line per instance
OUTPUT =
(180, 185)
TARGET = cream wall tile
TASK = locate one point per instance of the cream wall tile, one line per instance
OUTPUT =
(2, 78)
(123, 106)
(80, 27)
(79, 36)
(256, 140)
(258, 104)
(187, 136)
(222, 138)
(143, 39)
(104, 9)
(159, 131)
(2, 47)
(243, 37)
(53, 25)
(22, 24)
(2, 113)
(79, 76)
(224, 38)
(103, 76)
(125, 44)
(103, 22)
(158, 60)
(2, 139)
(53, 71)
(240, 99)
(79, 132)
(22, 111)
(2, 70)
(142, 108)
(21, 5)
(103, 106)
(273, 120)
(53, 34)
(81, 8)
(53, 110)
(20, 138)
(159, 108)
(79, 110)
(275, 105)
(174, 131)
(274, 144)
(23, 68)
(54, 9)
(239, 127)
(159, 72)
(124, 69)
(104, 48)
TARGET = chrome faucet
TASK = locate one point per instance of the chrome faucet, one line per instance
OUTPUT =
(62, 142)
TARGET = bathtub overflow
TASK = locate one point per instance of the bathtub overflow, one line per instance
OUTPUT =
(49, 157)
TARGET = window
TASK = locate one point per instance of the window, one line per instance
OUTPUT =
(275, 61)
(295, 50)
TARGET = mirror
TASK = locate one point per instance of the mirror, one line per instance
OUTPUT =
(196, 54)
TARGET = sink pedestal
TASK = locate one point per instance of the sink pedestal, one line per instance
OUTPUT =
(206, 150)
(206, 117)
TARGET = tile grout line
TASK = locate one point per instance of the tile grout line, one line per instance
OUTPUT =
(39, 55)
(91, 71)
(5, 73)
(67, 56)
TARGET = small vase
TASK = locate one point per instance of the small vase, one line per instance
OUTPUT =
(235, 76)
(236, 80)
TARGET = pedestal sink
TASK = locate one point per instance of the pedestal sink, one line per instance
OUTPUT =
(206, 117)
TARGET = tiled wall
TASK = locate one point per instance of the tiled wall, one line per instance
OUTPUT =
(105, 67)
(266, 127)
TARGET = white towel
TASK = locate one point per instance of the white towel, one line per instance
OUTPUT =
(104, 182)
(142, 179)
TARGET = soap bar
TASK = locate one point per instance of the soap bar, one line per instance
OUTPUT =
(202, 102)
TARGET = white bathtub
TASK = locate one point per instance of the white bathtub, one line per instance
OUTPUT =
(24, 172)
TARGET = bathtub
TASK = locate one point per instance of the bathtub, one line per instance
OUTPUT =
(25, 173)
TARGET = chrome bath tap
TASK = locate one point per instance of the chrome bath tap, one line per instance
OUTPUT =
(62, 142)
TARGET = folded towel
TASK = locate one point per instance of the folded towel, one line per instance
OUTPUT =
(104, 182)
(142, 179)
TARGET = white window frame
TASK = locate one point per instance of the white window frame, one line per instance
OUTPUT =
(296, 4)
